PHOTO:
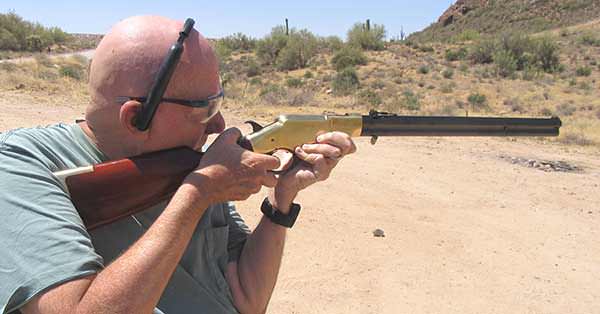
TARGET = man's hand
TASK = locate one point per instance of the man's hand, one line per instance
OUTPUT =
(227, 172)
(319, 160)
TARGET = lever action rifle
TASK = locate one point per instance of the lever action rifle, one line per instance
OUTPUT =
(109, 191)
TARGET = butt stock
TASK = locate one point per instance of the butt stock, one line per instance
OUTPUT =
(116, 189)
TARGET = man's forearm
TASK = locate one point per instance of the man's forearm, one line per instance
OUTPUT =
(134, 282)
(258, 266)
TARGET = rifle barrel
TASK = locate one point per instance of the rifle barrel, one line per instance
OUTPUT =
(394, 125)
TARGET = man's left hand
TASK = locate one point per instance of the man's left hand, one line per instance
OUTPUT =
(319, 159)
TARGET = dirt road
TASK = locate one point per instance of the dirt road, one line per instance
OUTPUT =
(466, 230)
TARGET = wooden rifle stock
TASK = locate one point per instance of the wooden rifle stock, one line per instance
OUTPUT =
(110, 191)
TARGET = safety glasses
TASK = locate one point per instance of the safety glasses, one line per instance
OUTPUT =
(212, 104)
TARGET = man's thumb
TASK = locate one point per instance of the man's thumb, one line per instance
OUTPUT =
(229, 136)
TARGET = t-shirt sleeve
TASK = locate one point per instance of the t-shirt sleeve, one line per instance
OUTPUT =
(238, 232)
(43, 241)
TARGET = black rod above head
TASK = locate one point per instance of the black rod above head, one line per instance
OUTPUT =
(162, 78)
(394, 125)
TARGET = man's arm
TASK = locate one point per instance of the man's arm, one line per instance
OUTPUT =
(134, 282)
(252, 279)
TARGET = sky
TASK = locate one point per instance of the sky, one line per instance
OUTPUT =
(216, 19)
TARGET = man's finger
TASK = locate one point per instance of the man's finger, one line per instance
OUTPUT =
(326, 150)
(269, 180)
(309, 158)
(267, 162)
(338, 139)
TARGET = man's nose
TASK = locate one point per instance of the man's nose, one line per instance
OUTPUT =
(216, 124)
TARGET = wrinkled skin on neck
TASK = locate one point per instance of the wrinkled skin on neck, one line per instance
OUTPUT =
(125, 64)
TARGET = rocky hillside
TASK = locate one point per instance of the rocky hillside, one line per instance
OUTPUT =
(470, 18)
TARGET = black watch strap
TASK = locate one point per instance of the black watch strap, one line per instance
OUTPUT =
(277, 217)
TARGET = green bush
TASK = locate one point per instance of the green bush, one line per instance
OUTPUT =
(308, 75)
(590, 39)
(73, 71)
(455, 55)
(18, 34)
(255, 81)
(293, 82)
(467, 35)
(477, 100)
(238, 42)
(410, 101)
(345, 81)
(565, 109)
(348, 56)
(370, 97)
(506, 63)
(269, 47)
(516, 47)
(252, 67)
(583, 71)
(547, 55)
(448, 73)
(331, 43)
(424, 69)
(483, 52)
(373, 39)
(300, 48)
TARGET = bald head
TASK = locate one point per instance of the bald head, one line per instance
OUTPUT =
(125, 64)
(128, 57)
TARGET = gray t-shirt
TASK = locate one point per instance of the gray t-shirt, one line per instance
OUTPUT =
(44, 243)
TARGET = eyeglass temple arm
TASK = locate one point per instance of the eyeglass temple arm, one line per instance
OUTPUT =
(161, 81)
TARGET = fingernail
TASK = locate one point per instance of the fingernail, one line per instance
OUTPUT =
(298, 149)
(319, 138)
(304, 146)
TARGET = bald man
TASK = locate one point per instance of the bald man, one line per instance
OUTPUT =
(192, 254)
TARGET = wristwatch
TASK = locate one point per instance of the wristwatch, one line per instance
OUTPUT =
(278, 217)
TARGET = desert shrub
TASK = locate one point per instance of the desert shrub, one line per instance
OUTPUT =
(546, 55)
(8, 67)
(514, 105)
(448, 110)
(583, 71)
(345, 81)
(467, 35)
(483, 52)
(370, 97)
(18, 34)
(506, 63)
(293, 82)
(565, 109)
(378, 84)
(360, 37)
(331, 43)
(424, 48)
(455, 55)
(448, 73)
(589, 39)
(518, 47)
(348, 56)
(73, 71)
(269, 47)
(447, 88)
(252, 67)
(255, 81)
(424, 69)
(300, 48)
(273, 94)
(410, 101)
(477, 100)
(238, 42)
(308, 75)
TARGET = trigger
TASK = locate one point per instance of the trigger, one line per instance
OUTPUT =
(255, 126)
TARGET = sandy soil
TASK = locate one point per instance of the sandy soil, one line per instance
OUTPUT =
(466, 231)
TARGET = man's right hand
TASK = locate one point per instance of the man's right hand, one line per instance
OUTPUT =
(227, 172)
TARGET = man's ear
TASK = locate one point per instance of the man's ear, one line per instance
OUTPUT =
(127, 115)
